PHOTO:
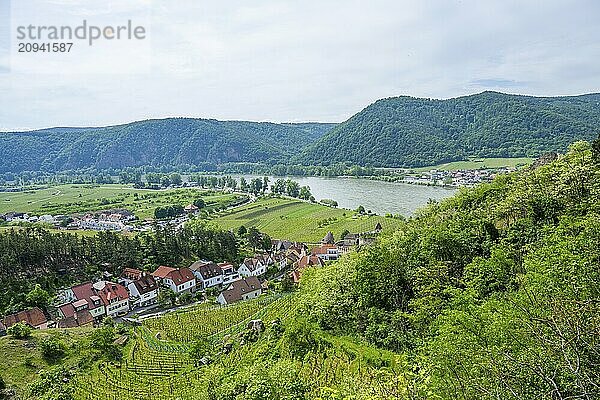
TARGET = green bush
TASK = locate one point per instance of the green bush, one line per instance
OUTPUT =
(20, 330)
(52, 348)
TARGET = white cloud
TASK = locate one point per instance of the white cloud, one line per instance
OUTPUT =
(300, 60)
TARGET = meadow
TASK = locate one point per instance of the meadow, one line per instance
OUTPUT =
(81, 198)
(284, 218)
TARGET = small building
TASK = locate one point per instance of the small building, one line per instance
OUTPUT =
(326, 252)
(207, 273)
(33, 317)
(178, 280)
(252, 267)
(243, 289)
(190, 209)
(229, 272)
(114, 296)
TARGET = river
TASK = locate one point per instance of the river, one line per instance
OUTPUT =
(378, 196)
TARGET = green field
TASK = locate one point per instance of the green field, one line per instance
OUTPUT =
(69, 199)
(23, 358)
(480, 163)
(297, 220)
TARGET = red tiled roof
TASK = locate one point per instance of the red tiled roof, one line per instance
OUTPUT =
(81, 318)
(34, 317)
(112, 292)
(182, 275)
(131, 273)
(162, 272)
(323, 249)
(86, 291)
(67, 310)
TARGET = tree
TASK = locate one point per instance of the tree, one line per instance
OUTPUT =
(37, 297)
(254, 237)
(242, 231)
(256, 185)
(360, 210)
(243, 184)
(199, 202)
(305, 193)
(292, 188)
(52, 348)
(596, 151)
(265, 185)
(200, 348)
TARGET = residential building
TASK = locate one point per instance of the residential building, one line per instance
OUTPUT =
(326, 252)
(207, 273)
(243, 289)
(114, 296)
(33, 317)
(178, 280)
(229, 272)
(142, 287)
(252, 267)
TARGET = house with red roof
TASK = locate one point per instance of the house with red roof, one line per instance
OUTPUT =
(303, 263)
(33, 317)
(178, 280)
(86, 298)
(114, 296)
(326, 252)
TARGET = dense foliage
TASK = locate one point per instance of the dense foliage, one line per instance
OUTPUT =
(37, 256)
(166, 142)
(406, 131)
(492, 293)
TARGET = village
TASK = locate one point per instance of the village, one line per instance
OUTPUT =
(455, 178)
(135, 294)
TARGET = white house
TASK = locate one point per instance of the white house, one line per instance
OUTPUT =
(178, 280)
(229, 273)
(207, 273)
(252, 267)
(142, 288)
(243, 289)
(114, 296)
(326, 252)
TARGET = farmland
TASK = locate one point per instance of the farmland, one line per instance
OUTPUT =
(284, 218)
(166, 369)
(73, 198)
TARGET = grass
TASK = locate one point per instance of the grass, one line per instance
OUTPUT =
(283, 218)
(69, 199)
(22, 359)
(480, 163)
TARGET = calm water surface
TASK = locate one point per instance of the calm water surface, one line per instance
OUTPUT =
(377, 196)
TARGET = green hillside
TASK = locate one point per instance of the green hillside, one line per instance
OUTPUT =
(165, 142)
(412, 132)
(491, 294)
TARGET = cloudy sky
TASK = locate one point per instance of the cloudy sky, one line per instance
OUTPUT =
(299, 60)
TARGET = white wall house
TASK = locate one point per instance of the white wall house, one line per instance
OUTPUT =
(252, 267)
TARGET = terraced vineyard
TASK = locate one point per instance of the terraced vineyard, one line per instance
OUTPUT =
(185, 326)
(298, 220)
(162, 369)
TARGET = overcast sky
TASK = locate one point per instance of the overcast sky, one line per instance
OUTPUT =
(279, 60)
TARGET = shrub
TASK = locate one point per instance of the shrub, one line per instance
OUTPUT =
(20, 330)
(52, 348)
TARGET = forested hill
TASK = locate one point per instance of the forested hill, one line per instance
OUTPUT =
(165, 142)
(408, 131)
